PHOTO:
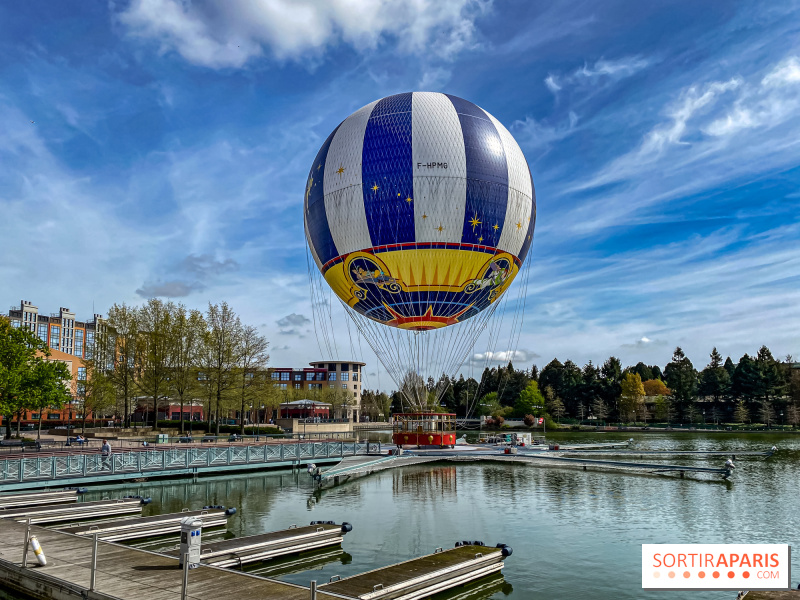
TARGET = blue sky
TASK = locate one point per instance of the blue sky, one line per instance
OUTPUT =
(161, 147)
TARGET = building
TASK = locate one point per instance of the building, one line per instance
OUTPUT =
(304, 409)
(70, 341)
(344, 375)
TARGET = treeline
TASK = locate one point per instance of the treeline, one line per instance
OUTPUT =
(756, 388)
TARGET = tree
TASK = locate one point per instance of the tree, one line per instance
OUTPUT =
(714, 379)
(741, 414)
(766, 413)
(155, 329)
(46, 384)
(663, 408)
(792, 415)
(221, 344)
(25, 377)
(681, 378)
(531, 401)
(252, 359)
(187, 338)
(746, 380)
(121, 344)
(655, 387)
(556, 408)
(95, 393)
(632, 395)
(599, 409)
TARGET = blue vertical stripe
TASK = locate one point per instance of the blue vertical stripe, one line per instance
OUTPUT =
(487, 175)
(316, 217)
(526, 244)
(387, 175)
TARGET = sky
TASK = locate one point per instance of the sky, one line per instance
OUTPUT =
(160, 148)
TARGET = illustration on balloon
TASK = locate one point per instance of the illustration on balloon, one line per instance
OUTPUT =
(419, 210)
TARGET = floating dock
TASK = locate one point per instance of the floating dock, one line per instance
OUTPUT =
(75, 512)
(421, 577)
(8, 501)
(144, 527)
(255, 548)
(670, 453)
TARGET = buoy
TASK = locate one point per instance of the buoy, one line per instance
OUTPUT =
(346, 527)
(231, 511)
(37, 550)
(507, 551)
(146, 500)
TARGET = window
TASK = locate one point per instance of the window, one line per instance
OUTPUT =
(309, 376)
(43, 332)
(285, 376)
(81, 389)
(176, 416)
(82, 373)
(355, 376)
(201, 376)
(345, 376)
(276, 375)
(282, 386)
(345, 367)
(297, 386)
(298, 377)
(331, 385)
(35, 416)
(53, 416)
(355, 393)
(331, 376)
(344, 386)
(55, 332)
(89, 344)
(320, 376)
(78, 342)
(15, 323)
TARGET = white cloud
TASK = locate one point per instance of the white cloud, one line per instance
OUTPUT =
(618, 69)
(552, 83)
(434, 79)
(502, 357)
(775, 100)
(228, 34)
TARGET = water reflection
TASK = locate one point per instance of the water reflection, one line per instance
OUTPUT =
(574, 533)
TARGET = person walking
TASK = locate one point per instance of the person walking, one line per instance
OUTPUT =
(105, 453)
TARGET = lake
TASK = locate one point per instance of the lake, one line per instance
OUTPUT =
(575, 534)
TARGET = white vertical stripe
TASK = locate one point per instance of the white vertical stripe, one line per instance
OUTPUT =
(440, 195)
(520, 203)
(344, 201)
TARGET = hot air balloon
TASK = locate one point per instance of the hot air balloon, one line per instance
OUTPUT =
(419, 213)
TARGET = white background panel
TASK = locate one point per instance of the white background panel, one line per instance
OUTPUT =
(520, 194)
(344, 202)
(440, 195)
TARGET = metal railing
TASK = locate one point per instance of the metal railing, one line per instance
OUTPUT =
(71, 466)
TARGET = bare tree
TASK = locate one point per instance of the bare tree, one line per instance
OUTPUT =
(95, 393)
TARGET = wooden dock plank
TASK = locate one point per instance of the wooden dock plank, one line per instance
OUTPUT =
(131, 574)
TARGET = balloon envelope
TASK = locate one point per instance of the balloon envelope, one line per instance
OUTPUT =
(419, 210)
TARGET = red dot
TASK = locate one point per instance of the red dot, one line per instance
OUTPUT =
(746, 574)
(731, 574)
(715, 574)
(701, 574)
(686, 574)
(671, 574)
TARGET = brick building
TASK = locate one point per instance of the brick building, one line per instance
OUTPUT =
(344, 375)
(70, 341)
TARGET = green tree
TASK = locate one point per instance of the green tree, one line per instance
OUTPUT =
(663, 408)
(24, 378)
(681, 378)
(531, 401)
(95, 393)
(119, 342)
(46, 385)
(714, 379)
(632, 396)
(252, 360)
(188, 329)
(220, 357)
(156, 323)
